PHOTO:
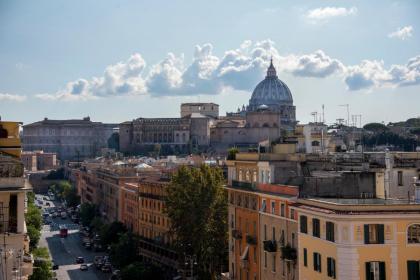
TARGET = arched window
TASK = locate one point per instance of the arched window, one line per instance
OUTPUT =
(413, 234)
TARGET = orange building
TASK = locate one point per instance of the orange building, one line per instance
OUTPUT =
(154, 225)
(130, 206)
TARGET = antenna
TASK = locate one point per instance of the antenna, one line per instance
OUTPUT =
(323, 114)
(315, 115)
(348, 112)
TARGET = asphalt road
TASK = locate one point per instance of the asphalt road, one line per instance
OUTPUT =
(64, 252)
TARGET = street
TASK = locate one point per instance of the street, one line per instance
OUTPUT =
(64, 251)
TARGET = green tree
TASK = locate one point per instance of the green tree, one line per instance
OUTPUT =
(232, 153)
(42, 264)
(375, 127)
(111, 232)
(34, 236)
(87, 213)
(197, 206)
(124, 251)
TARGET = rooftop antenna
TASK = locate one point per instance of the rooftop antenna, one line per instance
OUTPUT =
(348, 112)
(315, 115)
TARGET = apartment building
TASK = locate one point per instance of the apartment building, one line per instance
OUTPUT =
(367, 239)
(14, 245)
(38, 160)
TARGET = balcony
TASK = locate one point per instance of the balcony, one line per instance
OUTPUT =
(236, 233)
(288, 253)
(270, 246)
(244, 185)
(251, 240)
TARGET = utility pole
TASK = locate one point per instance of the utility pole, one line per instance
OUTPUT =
(348, 112)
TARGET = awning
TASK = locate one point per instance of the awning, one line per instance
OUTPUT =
(245, 254)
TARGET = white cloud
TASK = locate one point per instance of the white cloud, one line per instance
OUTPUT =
(326, 13)
(237, 69)
(123, 78)
(317, 64)
(372, 74)
(12, 97)
(402, 33)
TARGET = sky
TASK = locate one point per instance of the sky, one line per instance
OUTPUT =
(119, 60)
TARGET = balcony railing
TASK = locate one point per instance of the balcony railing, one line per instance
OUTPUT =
(244, 185)
(251, 240)
(270, 246)
(288, 253)
(236, 233)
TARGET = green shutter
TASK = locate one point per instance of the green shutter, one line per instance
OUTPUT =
(333, 268)
(367, 267)
(382, 273)
(366, 227)
(381, 234)
(413, 270)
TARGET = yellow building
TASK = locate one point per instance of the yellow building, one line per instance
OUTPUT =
(14, 245)
(369, 239)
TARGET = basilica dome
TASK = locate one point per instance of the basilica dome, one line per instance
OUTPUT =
(271, 92)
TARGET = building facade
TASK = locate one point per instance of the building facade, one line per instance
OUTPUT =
(69, 139)
(14, 253)
(38, 160)
(367, 239)
(207, 109)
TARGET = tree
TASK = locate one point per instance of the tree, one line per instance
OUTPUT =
(375, 127)
(124, 251)
(232, 153)
(196, 203)
(114, 141)
(42, 264)
(111, 232)
(87, 213)
(34, 236)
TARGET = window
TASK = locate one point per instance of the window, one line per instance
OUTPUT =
(315, 228)
(274, 264)
(413, 270)
(265, 232)
(305, 257)
(303, 224)
(265, 259)
(374, 234)
(331, 267)
(317, 261)
(400, 178)
(413, 234)
(282, 210)
(330, 231)
(292, 214)
(263, 205)
(274, 234)
(375, 271)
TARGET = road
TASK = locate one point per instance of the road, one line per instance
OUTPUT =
(64, 252)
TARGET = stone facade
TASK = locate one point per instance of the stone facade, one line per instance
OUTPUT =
(178, 133)
(207, 109)
(70, 139)
(34, 161)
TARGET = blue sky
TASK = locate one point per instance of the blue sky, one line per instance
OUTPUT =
(119, 60)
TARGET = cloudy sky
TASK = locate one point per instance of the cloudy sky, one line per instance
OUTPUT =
(119, 60)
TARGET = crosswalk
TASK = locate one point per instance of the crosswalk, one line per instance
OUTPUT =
(55, 227)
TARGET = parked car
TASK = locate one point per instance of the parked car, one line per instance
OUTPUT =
(80, 260)
(88, 245)
(106, 268)
(83, 267)
(54, 266)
